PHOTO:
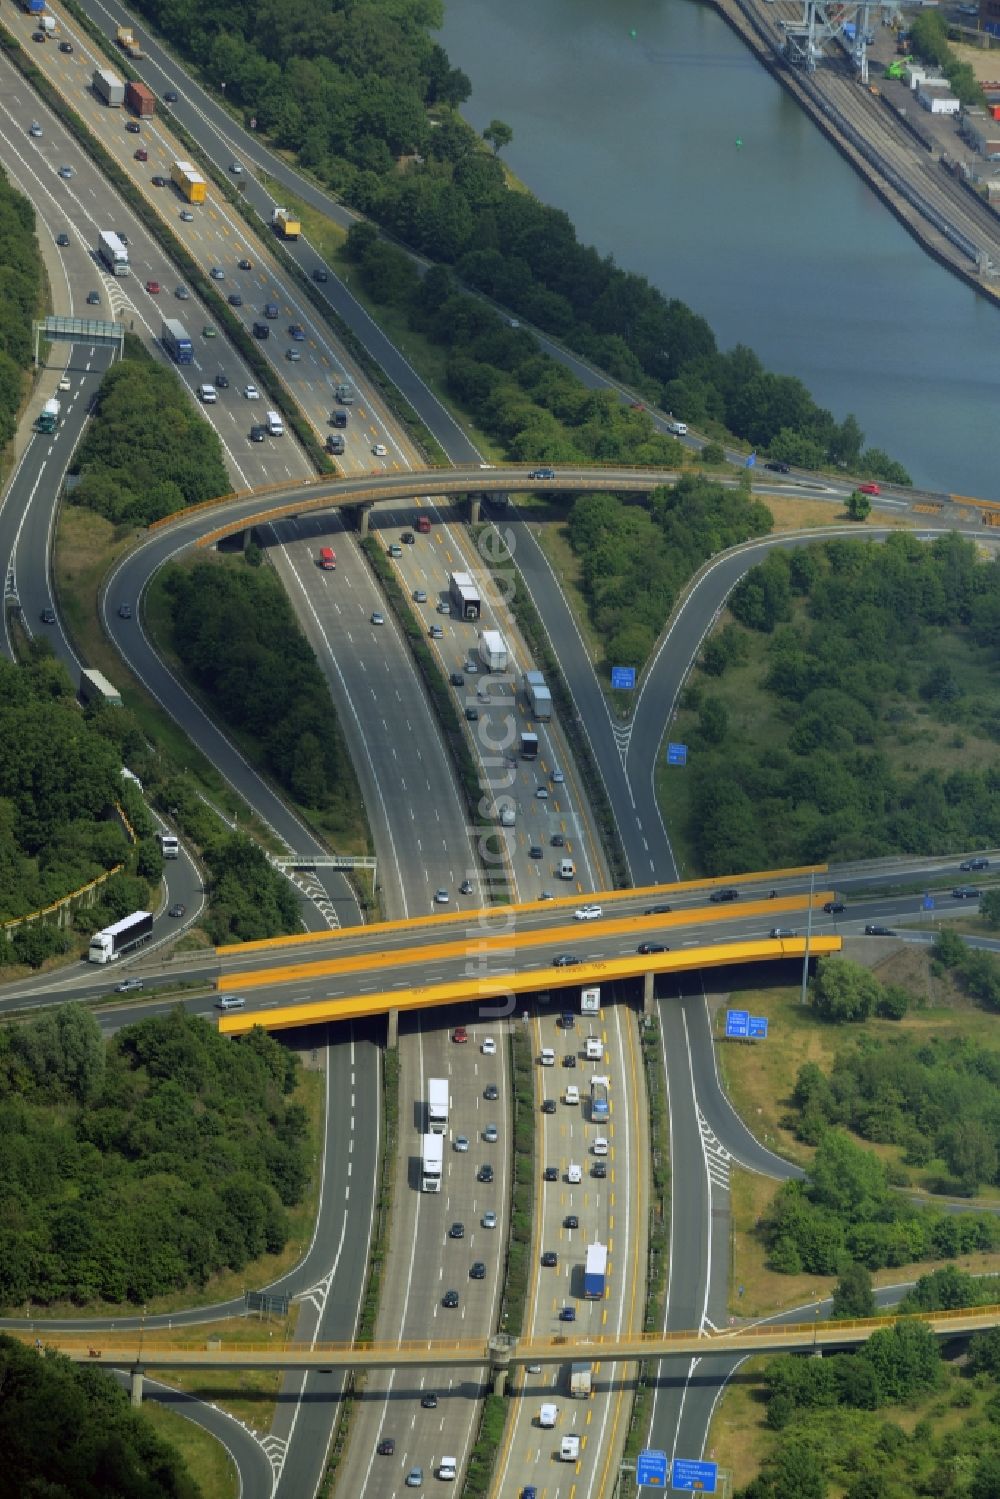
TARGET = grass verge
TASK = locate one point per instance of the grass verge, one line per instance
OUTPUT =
(517, 1276)
(206, 1458)
(384, 1195)
(514, 590)
(479, 1474)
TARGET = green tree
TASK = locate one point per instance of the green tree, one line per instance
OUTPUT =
(853, 1296)
(844, 991)
(989, 907)
(859, 506)
(498, 135)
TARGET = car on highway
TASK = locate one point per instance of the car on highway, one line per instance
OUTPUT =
(386, 1447)
(566, 960)
(170, 97)
(153, 287)
(491, 1092)
(679, 429)
(460, 1035)
(258, 433)
(647, 947)
(461, 1142)
(420, 596)
(66, 47)
(489, 1220)
(443, 607)
(548, 1105)
(869, 489)
(456, 679)
(222, 381)
(296, 331)
(657, 911)
(477, 1270)
(377, 618)
(472, 714)
(319, 274)
(124, 611)
(966, 892)
(236, 169)
(572, 1095)
(569, 1060)
(158, 181)
(408, 539)
(293, 356)
(550, 1259)
(491, 1134)
(62, 239)
(429, 1400)
(489, 1047)
(551, 1174)
(719, 897)
(778, 467)
(450, 1300)
(178, 909)
(245, 265)
(133, 127)
(48, 616)
(542, 794)
(571, 1221)
(557, 778)
(93, 299)
(588, 913)
(441, 897)
(448, 1469)
(208, 331)
(567, 1314)
(465, 888)
(833, 907)
(235, 299)
(781, 931)
(35, 129)
(485, 1174)
(38, 36)
(182, 294)
(187, 217)
(971, 864)
(64, 383)
(251, 392)
(380, 450)
(66, 172)
(394, 550)
(415, 1477)
(557, 840)
(457, 1231)
(129, 986)
(270, 310)
(599, 1170)
(542, 473)
(875, 929)
(529, 1491)
(536, 851)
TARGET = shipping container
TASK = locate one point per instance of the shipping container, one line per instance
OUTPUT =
(188, 181)
(140, 99)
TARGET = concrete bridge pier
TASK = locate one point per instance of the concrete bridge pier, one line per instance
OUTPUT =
(501, 1346)
(362, 516)
(475, 509)
(648, 996)
(135, 1385)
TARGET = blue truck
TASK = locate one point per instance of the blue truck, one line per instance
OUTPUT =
(595, 1272)
(176, 341)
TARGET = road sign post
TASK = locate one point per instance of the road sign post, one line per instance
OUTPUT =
(651, 1469)
(694, 1477)
(677, 754)
(623, 678)
(737, 1025)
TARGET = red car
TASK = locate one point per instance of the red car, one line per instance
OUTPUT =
(142, 154)
(153, 287)
(460, 1035)
(869, 489)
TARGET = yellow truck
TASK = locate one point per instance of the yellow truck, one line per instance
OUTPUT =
(188, 181)
(285, 225)
(128, 42)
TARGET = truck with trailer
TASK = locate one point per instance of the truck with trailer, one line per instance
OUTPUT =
(581, 1382)
(49, 416)
(187, 181)
(529, 746)
(285, 224)
(33, 7)
(175, 340)
(595, 1272)
(109, 87)
(95, 687)
(112, 942)
(437, 1105)
(599, 1099)
(538, 695)
(140, 99)
(431, 1162)
(493, 651)
(129, 43)
(464, 596)
(112, 252)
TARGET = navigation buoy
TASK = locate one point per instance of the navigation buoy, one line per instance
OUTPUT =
(739, 142)
(633, 33)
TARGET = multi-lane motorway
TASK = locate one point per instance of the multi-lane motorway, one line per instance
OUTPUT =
(419, 825)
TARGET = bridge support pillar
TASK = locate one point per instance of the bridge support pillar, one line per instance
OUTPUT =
(648, 996)
(392, 1030)
(475, 509)
(135, 1386)
(501, 1347)
(362, 513)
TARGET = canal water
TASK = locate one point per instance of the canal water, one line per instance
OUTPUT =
(671, 148)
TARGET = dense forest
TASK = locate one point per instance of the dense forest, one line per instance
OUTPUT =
(148, 453)
(21, 277)
(851, 712)
(143, 1164)
(68, 1431)
(271, 688)
(367, 101)
(60, 777)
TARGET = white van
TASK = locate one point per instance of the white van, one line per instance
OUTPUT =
(569, 1449)
(548, 1057)
(574, 1174)
(229, 1002)
(594, 1049)
(448, 1468)
(207, 395)
(600, 1146)
(566, 870)
(548, 1415)
(275, 425)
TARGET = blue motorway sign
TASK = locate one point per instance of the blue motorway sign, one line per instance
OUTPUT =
(928, 902)
(694, 1478)
(651, 1469)
(758, 1027)
(677, 754)
(737, 1023)
(623, 677)
(752, 461)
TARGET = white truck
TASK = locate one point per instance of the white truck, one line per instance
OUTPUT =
(569, 1449)
(437, 1105)
(580, 1381)
(113, 941)
(538, 695)
(431, 1162)
(548, 1416)
(170, 845)
(493, 651)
